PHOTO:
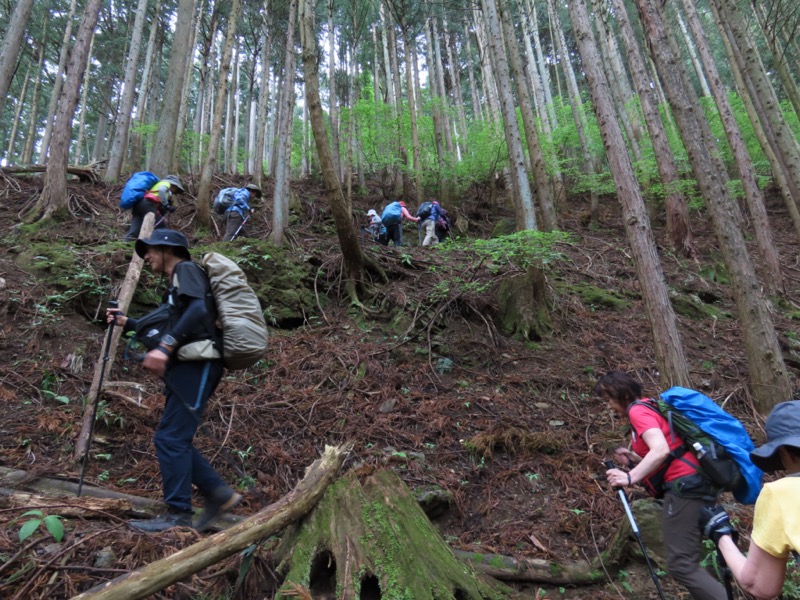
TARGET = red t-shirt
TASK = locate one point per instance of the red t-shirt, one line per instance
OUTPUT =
(643, 418)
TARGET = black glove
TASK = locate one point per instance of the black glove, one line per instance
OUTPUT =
(714, 523)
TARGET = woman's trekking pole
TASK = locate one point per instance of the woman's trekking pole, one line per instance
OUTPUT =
(621, 492)
(106, 350)
(727, 576)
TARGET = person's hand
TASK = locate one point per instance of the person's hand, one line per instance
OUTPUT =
(116, 316)
(714, 523)
(618, 478)
(155, 361)
(625, 457)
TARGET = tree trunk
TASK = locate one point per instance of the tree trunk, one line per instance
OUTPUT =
(333, 99)
(768, 375)
(666, 339)
(779, 54)
(263, 104)
(27, 151)
(526, 215)
(678, 229)
(770, 263)
(544, 189)
(54, 198)
(698, 67)
(785, 144)
(134, 161)
(83, 109)
(12, 45)
(178, 162)
(590, 161)
(210, 550)
(348, 240)
(17, 112)
(408, 40)
(210, 165)
(58, 83)
(368, 538)
(162, 158)
(120, 144)
(280, 213)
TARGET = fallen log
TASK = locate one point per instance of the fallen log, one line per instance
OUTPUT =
(85, 508)
(85, 174)
(160, 574)
(554, 572)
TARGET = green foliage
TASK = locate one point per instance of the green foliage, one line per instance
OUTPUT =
(51, 522)
(520, 250)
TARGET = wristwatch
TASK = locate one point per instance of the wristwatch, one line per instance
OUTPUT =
(168, 340)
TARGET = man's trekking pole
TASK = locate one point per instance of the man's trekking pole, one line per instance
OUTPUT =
(106, 350)
(621, 492)
(244, 221)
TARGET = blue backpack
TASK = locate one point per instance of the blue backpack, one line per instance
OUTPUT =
(136, 187)
(224, 200)
(719, 441)
(392, 214)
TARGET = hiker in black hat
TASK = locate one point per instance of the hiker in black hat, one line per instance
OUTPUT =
(158, 200)
(684, 489)
(776, 519)
(182, 342)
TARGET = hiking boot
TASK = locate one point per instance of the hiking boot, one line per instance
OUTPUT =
(164, 522)
(218, 503)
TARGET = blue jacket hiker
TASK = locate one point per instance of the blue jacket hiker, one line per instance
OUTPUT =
(177, 336)
(239, 211)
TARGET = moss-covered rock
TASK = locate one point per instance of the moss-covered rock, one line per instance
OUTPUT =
(595, 297)
(504, 227)
(691, 305)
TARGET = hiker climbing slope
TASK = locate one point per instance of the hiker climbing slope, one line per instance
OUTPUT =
(234, 203)
(392, 218)
(187, 315)
(157, 199)
(685, 490)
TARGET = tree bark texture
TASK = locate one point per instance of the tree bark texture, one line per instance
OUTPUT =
(54, 196)
(369, 533)
(12, 45)
(210, 164)
(525, 211)
(162, 157)
(768, 375)
(678, 229)
(666, 339)
(269, 521)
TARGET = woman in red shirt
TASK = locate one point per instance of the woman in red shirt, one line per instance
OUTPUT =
(659, 461)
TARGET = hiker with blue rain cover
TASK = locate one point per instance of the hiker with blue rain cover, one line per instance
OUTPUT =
(684, 488)
(155, 198)
(235, 205)
(183, 345)
(776, 519)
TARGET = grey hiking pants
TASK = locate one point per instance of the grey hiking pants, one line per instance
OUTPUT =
(683, 542)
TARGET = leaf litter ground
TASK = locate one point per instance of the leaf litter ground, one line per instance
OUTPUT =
(509, 428)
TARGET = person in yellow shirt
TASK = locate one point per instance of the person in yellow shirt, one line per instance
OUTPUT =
(776, 520)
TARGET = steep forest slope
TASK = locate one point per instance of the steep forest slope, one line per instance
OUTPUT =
(425, 382)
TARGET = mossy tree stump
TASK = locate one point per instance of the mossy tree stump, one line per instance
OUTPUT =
(369, 539)
(523, 307)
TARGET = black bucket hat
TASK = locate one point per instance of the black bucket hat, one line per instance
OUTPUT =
(783, 429)
(165, 237)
